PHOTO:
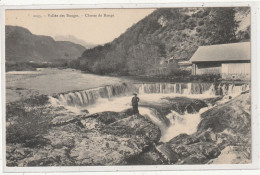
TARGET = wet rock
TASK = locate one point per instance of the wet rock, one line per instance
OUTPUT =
(84, 111)
(183, 104)
(212, 101)
(222, 127)
(160, 111)
(184, 139)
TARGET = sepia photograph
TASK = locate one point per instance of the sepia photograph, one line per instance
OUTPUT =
(128, 86)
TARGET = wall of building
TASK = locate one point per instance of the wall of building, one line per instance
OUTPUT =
(206, 68)
(228, 71)
(236, 71)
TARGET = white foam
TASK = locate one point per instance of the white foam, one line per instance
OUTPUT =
(186, 124)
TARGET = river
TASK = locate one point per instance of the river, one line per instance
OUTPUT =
(78, 91)
(49, 81)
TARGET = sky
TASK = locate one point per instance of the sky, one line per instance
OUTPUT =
(96, 26)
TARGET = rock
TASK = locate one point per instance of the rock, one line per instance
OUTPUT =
(210, 151)
(183, 104)
(106, 138)
(222, 127)
(212, 101)
(149, 157)
(184, 139)
(194, 159)
(232, 115)
(168, 153)
(232, 155)
(207, 136)
(110, 117)
(85, 111)
(122, 139)
(63, 120)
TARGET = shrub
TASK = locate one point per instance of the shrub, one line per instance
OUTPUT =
(205, 77)
(180, 72)
(27, 121)
(36, 100)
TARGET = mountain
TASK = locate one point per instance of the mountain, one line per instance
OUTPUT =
(23, 46)
(73, 39)
(166, 35)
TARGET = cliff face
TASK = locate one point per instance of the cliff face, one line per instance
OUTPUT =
(23, 46)
(167, 33)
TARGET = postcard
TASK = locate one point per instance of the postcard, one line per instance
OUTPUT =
(126, 88)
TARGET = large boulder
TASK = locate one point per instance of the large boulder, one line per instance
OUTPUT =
(184, 104)
(234, 115)
(223, 136)
(106, 138)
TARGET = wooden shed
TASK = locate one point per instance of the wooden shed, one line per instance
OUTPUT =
(231, 61)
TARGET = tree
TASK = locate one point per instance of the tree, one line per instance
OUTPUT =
(221, 25)
(162, 50)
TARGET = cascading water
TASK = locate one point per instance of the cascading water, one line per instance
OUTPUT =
(179, 123)
(91, 96)
(176, 88)
(118, 98)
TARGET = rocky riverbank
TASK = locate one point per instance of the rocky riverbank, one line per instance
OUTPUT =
(223, 137)
(66, 139)
(39, 134)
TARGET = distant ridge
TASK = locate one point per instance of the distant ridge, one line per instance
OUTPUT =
(75, 40)
(23, 46)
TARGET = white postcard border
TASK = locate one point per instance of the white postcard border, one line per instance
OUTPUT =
(255, 17)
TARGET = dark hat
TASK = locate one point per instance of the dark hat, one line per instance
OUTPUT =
(134, 93)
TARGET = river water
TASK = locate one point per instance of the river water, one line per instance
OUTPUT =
(78, 91)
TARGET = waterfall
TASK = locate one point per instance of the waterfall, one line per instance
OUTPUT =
(102, 99)
(211, 91)
(178, 122)
(188, 90)
(176, 88)
(88, 97)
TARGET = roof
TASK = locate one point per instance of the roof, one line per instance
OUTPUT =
(222, 52)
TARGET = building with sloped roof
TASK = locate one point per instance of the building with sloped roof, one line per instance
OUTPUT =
(231, 61)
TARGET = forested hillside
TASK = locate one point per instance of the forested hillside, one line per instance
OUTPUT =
(23, 46)
(166, 33)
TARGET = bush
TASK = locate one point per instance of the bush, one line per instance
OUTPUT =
(205, 77)
(27, 121)
(37, 101)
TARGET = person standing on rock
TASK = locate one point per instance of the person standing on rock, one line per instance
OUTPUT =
(135, 101)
